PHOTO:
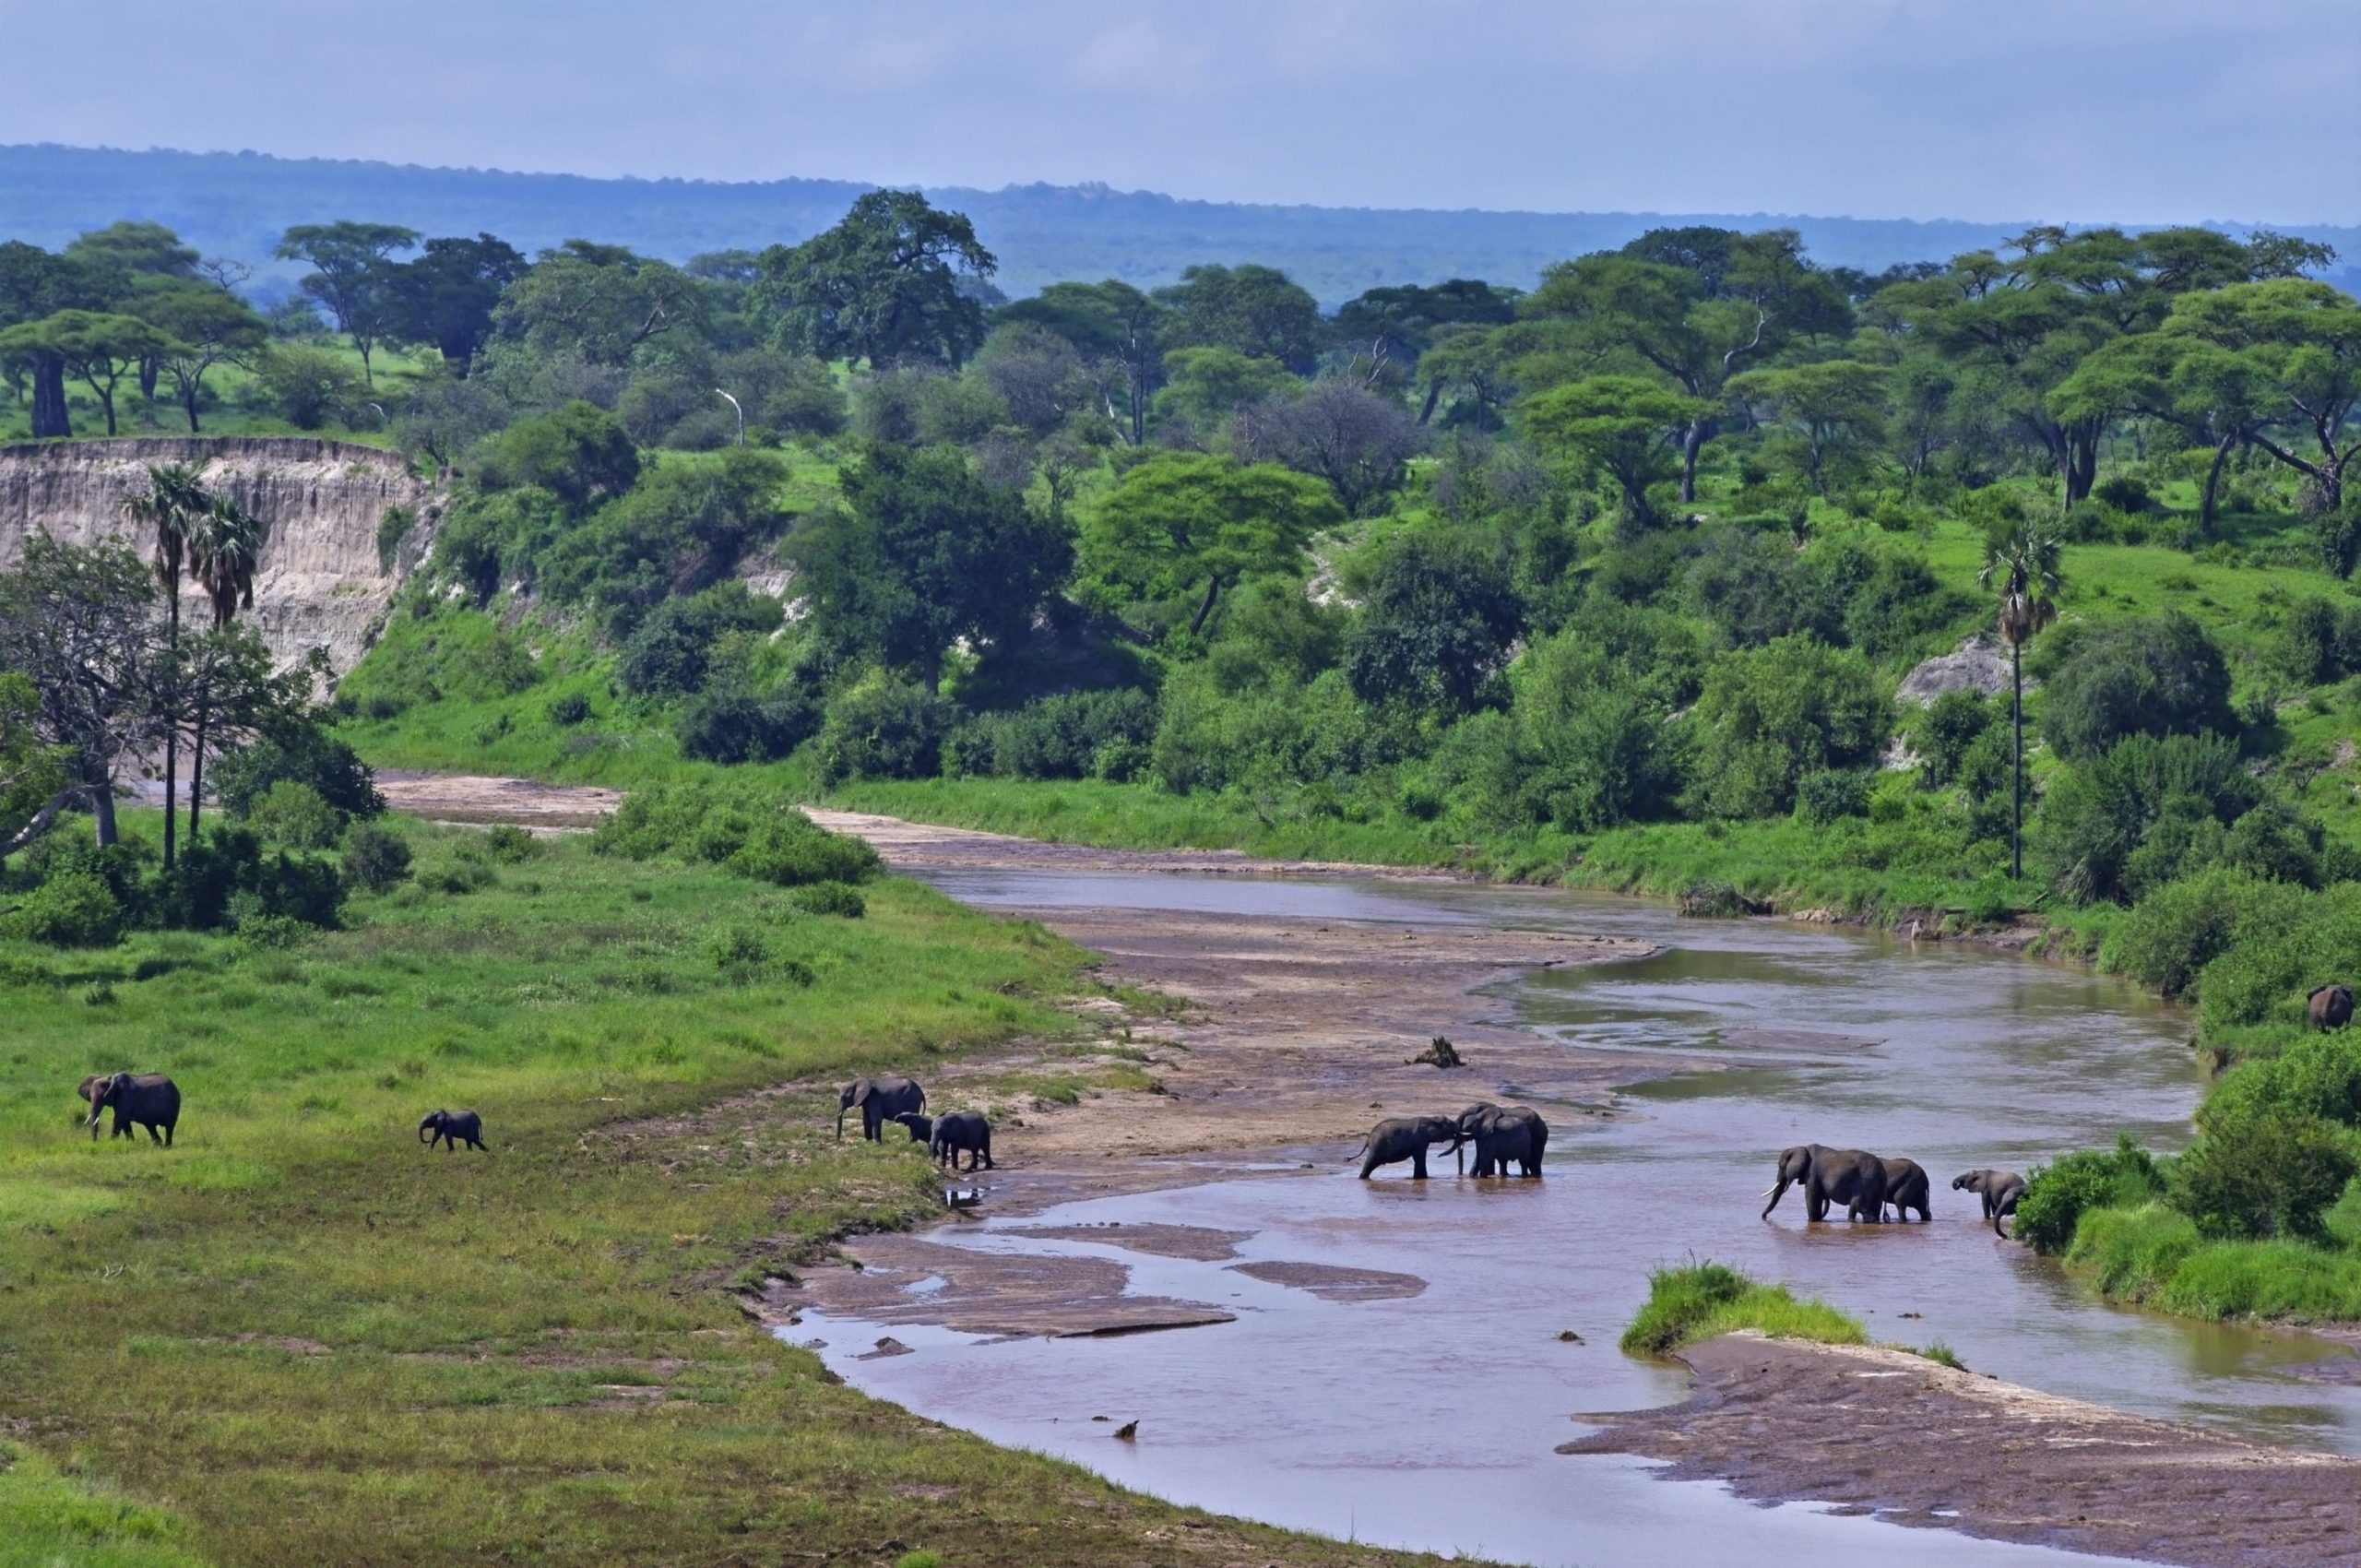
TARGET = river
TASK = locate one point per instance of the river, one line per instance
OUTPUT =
(1430, 1422)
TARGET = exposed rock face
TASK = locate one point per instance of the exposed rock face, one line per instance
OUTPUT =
(321, 584)
(1979, 664)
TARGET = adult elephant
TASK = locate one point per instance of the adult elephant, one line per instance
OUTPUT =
(1408, 1138)
(1905, 1188)
(2330, 1007)
(138, 1099)
(2000, 1190)
(1505, 1136)
(881, 1101)
(1848, 1176)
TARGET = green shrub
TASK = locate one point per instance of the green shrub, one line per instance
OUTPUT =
(510, 844)
(830, 898)
(294, 814)
(2158, 676)
(2058, 1193)
(747, 829)
(1772, 714)
(74, 909)
(1054, 737)
(738, 947)
(2142, 813)
(2316, 1075)
(2261, 1172)
(1825, 797)
(1700, 1300)
(789, 851)
(882, 728)
(304, 755)
(731, 726)
(569, 710)
(376, 858)
(2167, 938)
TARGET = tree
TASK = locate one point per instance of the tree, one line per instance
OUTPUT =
(1774, 715)
(2020, 558)
(353, 276)
(1396, 324)
(2263, 357)
(1356, 440)
(167, 511)
(133, 246)
(447, 295)
(1470, 364)
(224, 554)
(884, 285)
(1114, 327)
(35, 778)
(2154, 676)
(600, 303)
(1615, 424)
(1187, 524)
(1251, 309)
(1203, 386)
(99, 347)
(1435, 627)
(80, 626)
(577, 453)
(209, 325)
(1836, 407)
(923, 553)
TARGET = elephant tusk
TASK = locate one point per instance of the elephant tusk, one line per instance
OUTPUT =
(1771, 1191)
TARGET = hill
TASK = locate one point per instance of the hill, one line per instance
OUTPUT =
(237, 204)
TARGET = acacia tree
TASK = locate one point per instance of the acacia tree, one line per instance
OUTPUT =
(100, 347)
(447, 295)
(1615, 424)
(353, 275)
(1835, 407)
(208, 327)
(884, 285)
(2021, 558)
(1187, 524)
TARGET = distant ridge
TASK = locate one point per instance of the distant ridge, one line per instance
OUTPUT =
(237, 203)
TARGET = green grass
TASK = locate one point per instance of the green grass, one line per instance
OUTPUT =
(235, 403)
(1698, 1301)
(298, 1338)
(2153, 1256)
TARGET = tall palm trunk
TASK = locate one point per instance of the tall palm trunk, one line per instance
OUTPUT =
(197, 764)
(172, 733)
(2017, 771)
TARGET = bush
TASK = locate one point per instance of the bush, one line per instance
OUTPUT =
(75, 908)
(2261, 1172)
(2317, 1075)
(578, 453)
(830, 898)
(304, 755)
(2169, 936)
(668, 654)
(2156, 676)
(882, 728)
(1700, 1300)
(788, 851)
(376, 858)
(2058, 1193)
(510, 844)
(1056, 737)
(738, 947)
(2143, 813)
(1825, 797)
(749, 829)
(733, 725)
(1773, 714)
(2125, 493)
(294, 814)
(569, 710)
(1944, 730)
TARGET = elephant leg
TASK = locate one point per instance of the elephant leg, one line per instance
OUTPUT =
(1419, 1165)
(154, 1137)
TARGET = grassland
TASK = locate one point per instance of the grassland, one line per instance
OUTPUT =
(235, 402)
(297, 1338)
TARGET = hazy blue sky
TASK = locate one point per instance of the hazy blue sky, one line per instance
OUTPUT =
(2138, 110)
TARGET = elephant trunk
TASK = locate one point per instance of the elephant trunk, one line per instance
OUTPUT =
(423, 1126)
(93, 1123)
(1774, 1192)
(840, 1123)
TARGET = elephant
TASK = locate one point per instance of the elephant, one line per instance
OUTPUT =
(1406, 1137)
(921, 1127)
(1999, 1189)
(1905, 1188)
(880, 1099)
(2330, 1007)
(89, 1090)
(450, 1128)
(1504, 1137)
(961, 1130)
(1849, 1176)
(138, 1099)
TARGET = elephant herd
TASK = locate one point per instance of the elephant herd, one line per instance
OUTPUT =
(902, 1101)
(152, 1101)
(1868, 1185)
(1504, 1137)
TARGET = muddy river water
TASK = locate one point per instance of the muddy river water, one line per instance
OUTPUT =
(1430, 1420)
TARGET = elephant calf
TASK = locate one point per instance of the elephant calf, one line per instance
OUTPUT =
(1906, 1187)
(138, 1099)
(451, 1128)
(1407, 1138)
(963, 1130)
(1999, 1189)
(921, 1127)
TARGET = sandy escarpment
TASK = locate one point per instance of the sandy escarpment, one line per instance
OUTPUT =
(322, 582)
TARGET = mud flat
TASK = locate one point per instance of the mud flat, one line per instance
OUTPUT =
(1887, 1432)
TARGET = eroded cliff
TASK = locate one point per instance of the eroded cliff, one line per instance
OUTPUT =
(322, 582)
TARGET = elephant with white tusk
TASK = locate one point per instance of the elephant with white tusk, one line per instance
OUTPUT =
(138, 1099)
(1848, 1176)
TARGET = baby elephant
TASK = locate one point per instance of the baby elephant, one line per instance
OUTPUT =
(1999, 1189)
(921, 1127)
(450, 1128)
(962, 1130)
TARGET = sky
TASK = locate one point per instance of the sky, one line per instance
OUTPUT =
(2132, 110)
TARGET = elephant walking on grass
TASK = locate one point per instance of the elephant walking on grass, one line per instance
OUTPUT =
(1848, 1176)
(881, 1101)
(921, 1127)
(1999, 1190)
(1408, 1138)
(2330, 1006)
(962, 1131)
(138, 1099)
(452, 1128)
(1515, 1135)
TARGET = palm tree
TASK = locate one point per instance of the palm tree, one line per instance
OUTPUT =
(224, 548)
(2021, 556)
(169, 509)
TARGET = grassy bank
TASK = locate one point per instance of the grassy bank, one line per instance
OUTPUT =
(298, 1338)
(1700, 1300)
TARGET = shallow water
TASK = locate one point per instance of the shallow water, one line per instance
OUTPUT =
(1429, 1421)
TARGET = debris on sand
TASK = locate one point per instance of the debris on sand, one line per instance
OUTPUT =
(1442, 1053)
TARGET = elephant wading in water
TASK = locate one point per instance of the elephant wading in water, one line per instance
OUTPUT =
(1999, 1189)
(1503, 1137)
(881, 1101)
(1848, 1176)
(138, 1099)
(1408, 1138)
(1906, 1188)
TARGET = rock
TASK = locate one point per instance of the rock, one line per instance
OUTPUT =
(1442, 1053)
(1979, 664)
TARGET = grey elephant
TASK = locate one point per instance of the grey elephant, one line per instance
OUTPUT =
(921, 1127)
(2000, 1190)
(1905, 1188)
(2330, 1006)
(880, 1100)
(138, 1099)
(1848, 1176)
(1515, 1135)
(451, 1128)
(962, 1131)
(1399, 1138)
(89, 1090)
